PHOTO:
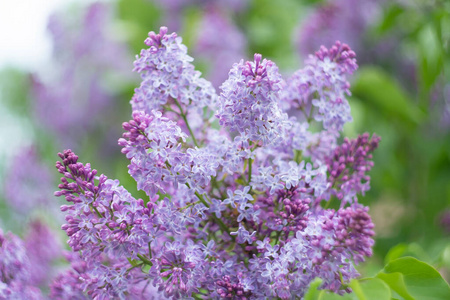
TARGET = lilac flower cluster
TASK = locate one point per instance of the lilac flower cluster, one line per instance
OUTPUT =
(13, 266)
(320, 88)
(25, 266)
(105, 224)
(348, 167)
(248, 102)
(235, 206)
(168, 77)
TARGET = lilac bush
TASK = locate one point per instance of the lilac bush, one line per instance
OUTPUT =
(240, 185)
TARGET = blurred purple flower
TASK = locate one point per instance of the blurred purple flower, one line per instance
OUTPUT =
(28, 183)
(343, 20)
(72, 96)
(219, 51)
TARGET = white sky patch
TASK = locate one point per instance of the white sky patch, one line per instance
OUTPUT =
(24, 41)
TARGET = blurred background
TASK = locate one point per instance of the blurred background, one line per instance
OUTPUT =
(66, 80)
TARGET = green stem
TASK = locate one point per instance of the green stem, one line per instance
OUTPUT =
(145, 260)
(250, 161)
(100, 215)
(328, 203)
(183, 115)
(135, 266)
(298, 156)
(189, 205)
(278, 237)
(219, 221)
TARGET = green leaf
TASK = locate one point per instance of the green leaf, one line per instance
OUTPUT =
(390, 18)
(397, 283)
(400, 250)
(370, 289)
(365, 289)
(431, 56)
(313, 293)
(378, 88)
(325, 295)
(413, 279)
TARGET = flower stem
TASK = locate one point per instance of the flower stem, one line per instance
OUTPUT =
(250, 161)
(183, 115)
(144, 259)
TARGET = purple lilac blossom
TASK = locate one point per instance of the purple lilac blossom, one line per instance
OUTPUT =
(70, 98)
(15, 270)
(219, 51)
(168, 77)
(319, 89)
(249, 101)
(353, 21)
(226, 217)
(107, 225)
(348, 166)
(43, 249)
(28, 183)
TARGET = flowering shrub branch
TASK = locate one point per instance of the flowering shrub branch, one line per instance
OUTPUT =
(238, 185)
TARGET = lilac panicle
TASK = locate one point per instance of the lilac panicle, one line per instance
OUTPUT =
(354, 232)
(249, 101)
(348, 166)
(101, 212)
(168, 77)
(233, 212)
(14, 263)
(319, 89)
(105, 223)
